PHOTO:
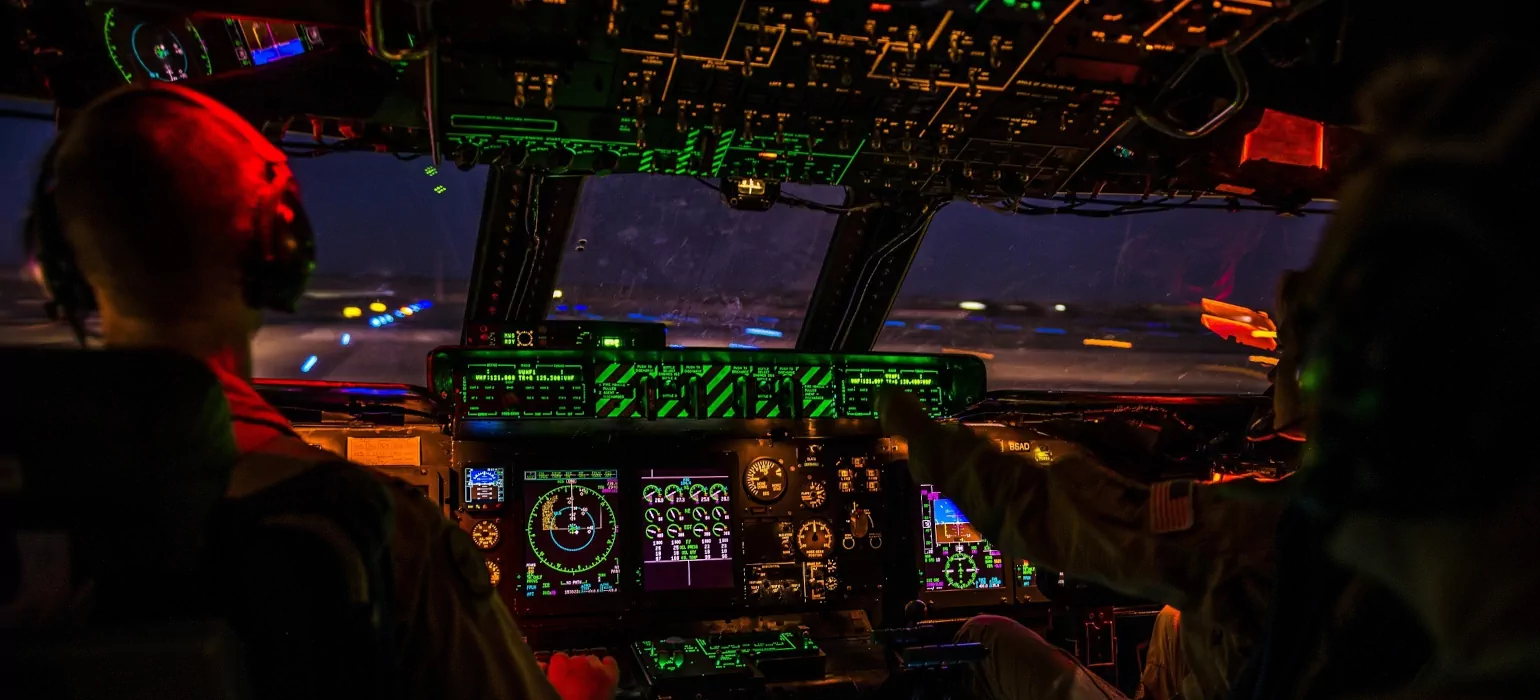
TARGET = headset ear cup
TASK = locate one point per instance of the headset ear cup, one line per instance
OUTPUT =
(282, 258)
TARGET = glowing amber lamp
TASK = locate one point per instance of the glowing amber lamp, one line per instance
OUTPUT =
(1287, 139)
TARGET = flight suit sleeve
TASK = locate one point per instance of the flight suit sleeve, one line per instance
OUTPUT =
(456, 637)
(1207, 555)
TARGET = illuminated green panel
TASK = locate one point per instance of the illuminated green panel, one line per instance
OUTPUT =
(696, 383)
(860, 389)
(678, 390)
(525, 390)
(700, 655)
(819, 392)
(724, 390)
(619, 391)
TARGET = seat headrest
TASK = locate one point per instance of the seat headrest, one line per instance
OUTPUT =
(125, 453)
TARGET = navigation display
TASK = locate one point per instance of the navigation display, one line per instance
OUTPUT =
(484, 488)
(687, 537)
(571, 532)
(696, 383)
(953, 555)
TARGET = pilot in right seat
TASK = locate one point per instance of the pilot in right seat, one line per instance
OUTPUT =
(1206, 550)
(181, 223)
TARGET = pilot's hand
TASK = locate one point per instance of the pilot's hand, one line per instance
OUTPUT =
(902, 414)
(583, 677)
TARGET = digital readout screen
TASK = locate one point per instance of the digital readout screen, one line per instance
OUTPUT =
(686, 529)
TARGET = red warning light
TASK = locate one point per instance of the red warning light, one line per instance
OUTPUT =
(880, 7)
(1285, 138)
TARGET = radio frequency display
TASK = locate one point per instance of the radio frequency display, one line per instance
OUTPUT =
(687, 540)
(954, 556)
(571, 532)
(862, 386)
(525, 390)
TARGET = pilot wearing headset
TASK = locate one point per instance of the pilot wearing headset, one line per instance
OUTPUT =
(1419, 371)
(180, 224)
(1209, 558)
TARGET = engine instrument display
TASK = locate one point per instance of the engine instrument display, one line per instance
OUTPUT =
(696, 383)
(687, 533)
(953, 555)
(484, 489)
(571, 532)
(485, 534)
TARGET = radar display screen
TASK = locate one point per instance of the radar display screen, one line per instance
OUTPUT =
(862, 386)
(484, 488)
(687, 535)
(954, 556)
(526, 390)
(571, 532)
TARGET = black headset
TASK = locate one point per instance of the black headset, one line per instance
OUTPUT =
(1407, 354)
(274, 269)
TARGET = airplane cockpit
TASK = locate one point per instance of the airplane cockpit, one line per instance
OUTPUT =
(694, 240)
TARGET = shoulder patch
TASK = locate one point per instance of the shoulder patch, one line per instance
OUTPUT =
(469, 562)
(1171, 508)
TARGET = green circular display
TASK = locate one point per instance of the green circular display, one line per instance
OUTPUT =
(571, 529)
(961, 571)
(140, 48)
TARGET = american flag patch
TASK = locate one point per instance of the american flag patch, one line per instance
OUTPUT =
(1171, 506)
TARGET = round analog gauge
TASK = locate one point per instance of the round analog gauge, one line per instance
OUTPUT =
(698, 493)
(485, 534)
(718, 493)
(652, 494)
(493, 572)
(814, 538)
(815, 494)
(765, 480)
(571, 529)
(168, 51)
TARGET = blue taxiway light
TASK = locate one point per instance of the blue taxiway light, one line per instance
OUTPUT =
(309, 364)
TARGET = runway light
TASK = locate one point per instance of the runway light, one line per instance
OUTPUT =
(556, 294)
(347, 338)
(742, 346)
(424, 304)
(763, 332)
(971, 305)
(352, 312)
(378, 307)
(309, 364)
(375, 322)
(399, 314)
(1058, 307)
(1100, 343)
(405, 311)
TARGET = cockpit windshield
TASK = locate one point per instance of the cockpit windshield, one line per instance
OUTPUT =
(666, 249)
(1071, 302)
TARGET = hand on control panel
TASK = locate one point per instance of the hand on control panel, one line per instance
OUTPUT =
(583, 677)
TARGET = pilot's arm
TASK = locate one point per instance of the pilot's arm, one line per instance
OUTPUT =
(1185, 544)
(456, 637)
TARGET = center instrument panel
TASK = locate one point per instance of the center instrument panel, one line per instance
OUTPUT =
(611, 481)
(720, 520)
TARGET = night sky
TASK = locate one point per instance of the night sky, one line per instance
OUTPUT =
(376, 215)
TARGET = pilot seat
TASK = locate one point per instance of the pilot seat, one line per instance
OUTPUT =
(127, 571)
